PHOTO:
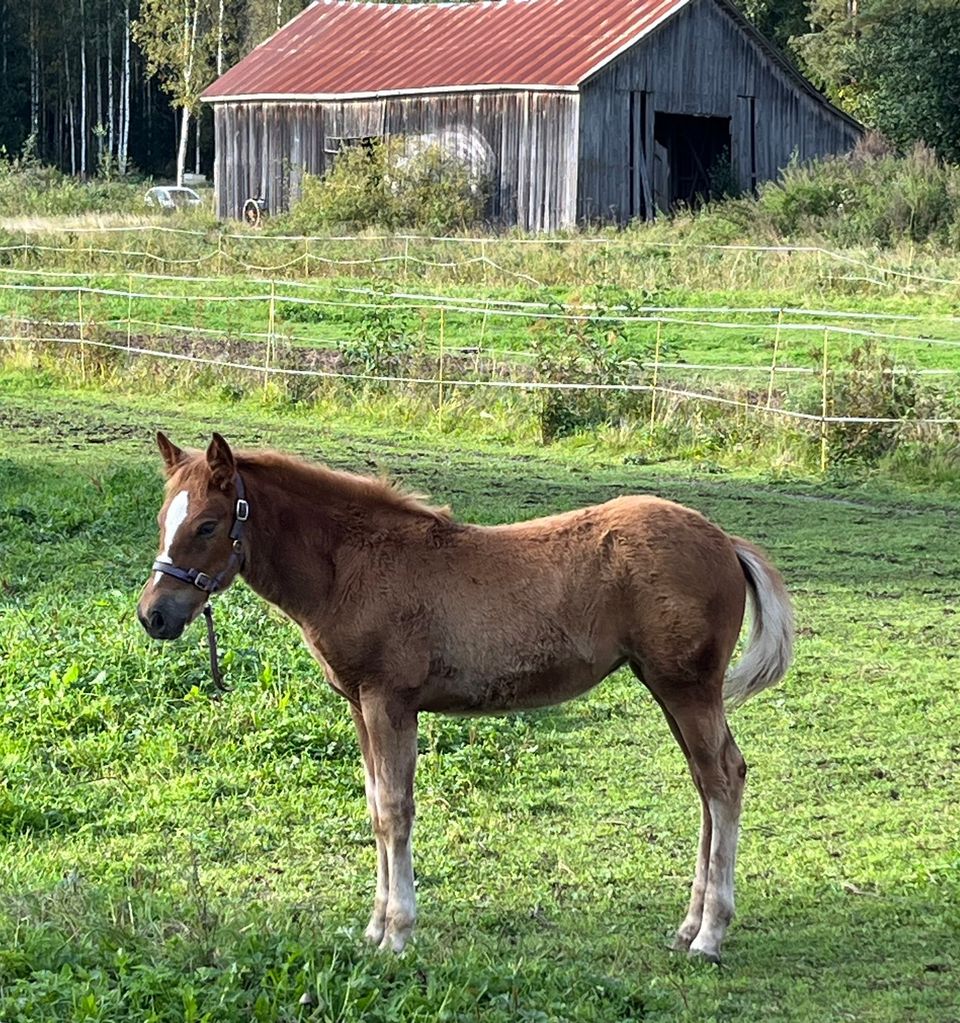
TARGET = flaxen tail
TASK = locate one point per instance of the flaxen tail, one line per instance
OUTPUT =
(769, 649)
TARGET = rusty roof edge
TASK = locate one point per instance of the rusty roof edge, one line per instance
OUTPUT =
(672, 9)
(426, 90)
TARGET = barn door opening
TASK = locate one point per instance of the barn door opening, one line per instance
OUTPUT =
(695, 156)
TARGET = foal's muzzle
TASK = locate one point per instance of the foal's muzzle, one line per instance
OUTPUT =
(163, 620)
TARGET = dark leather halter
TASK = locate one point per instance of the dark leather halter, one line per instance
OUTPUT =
(211, 584)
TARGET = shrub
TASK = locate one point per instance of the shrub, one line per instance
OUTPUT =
(867, 383)
(908, 71)
(868, 197)
(585, 348)
(722, 177)
(383, 343)
(385, 184)
(30, 188)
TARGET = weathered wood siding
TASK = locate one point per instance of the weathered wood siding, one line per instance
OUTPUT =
(555, 158)
(527, 140)
(700, 62)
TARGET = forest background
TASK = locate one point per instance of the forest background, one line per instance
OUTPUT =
(112, 87)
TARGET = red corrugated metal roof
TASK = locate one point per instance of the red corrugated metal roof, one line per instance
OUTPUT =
(335, 48)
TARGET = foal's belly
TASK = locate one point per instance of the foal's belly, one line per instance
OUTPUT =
(456, 693)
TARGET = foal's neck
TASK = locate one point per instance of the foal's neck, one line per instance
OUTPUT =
(303, 516)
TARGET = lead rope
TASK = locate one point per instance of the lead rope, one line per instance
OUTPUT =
(218, 682)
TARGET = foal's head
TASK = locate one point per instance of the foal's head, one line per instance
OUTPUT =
(200, 549)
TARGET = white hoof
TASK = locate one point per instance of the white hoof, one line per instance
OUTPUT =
(706, 950)
(394, 941)
(374, 932)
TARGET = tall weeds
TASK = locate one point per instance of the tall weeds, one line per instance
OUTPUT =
(30, 189)
(869, 197)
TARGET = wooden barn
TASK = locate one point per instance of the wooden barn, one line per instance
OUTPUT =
(571, 110)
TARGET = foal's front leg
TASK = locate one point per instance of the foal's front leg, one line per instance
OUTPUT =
(392, 736)
(377, 925)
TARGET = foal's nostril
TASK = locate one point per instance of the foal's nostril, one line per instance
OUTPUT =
(163, 621)
(152, 621)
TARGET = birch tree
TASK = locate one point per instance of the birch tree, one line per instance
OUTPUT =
(123, 145)
(83, 91)
(175, 37)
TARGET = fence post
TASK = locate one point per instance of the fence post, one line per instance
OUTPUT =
(483, 327)
(440, 376)
(306, 256)
(83, 346)
(271, 322)
(16, 320)
(129, 308)
(656, 373)
(823, 415)
(219, 253)
(773, 364)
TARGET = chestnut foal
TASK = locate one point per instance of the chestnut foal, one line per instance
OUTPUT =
(408, 610)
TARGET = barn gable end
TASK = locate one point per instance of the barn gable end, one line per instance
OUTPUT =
(703, 66)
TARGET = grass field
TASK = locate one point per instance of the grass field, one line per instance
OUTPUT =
(165, 856)
(492, 291)
(455, 331)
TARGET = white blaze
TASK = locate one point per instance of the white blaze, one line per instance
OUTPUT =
(176, 513)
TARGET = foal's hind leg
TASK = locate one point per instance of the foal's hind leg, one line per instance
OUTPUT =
(692, 922)
(723, 779)
(718, 769)
(690, 927)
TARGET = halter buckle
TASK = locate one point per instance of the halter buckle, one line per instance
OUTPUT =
(243, 510)
(203, 582)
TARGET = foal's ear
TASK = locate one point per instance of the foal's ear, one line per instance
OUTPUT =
(220, 459)
(172, 455)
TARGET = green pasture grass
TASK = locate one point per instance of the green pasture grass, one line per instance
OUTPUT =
(233, 308)
(169, 856)
(634, 267)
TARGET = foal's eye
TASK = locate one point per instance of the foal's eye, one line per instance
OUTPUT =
(206, 528)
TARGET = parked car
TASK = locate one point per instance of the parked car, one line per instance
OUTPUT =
(172, 197)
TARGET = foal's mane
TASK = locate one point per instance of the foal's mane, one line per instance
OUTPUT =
(352, 488)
